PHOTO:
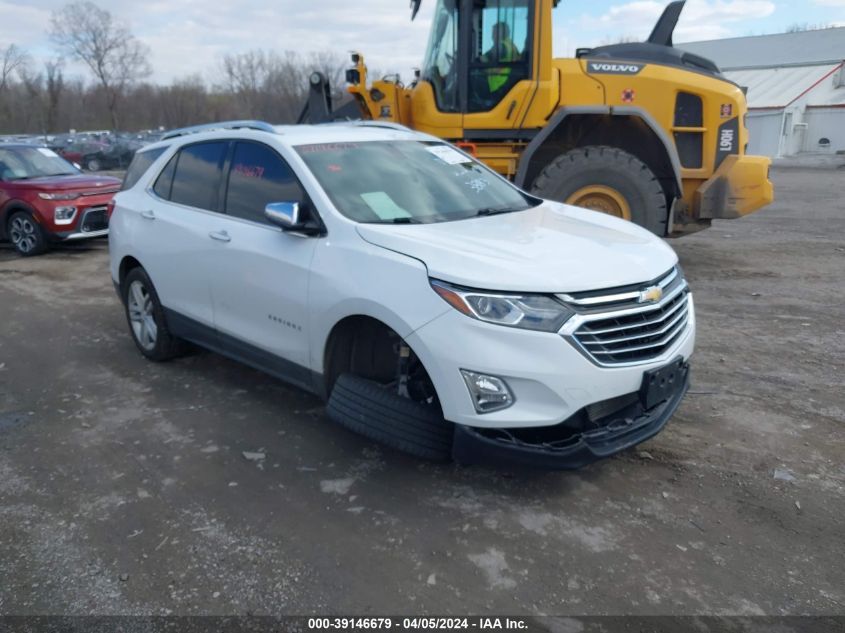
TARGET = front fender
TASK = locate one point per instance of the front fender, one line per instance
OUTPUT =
(371, 281)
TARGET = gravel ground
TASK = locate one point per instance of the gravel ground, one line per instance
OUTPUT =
(124, 488)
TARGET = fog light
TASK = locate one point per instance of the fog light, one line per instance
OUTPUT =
(64, 215)
(488, 393)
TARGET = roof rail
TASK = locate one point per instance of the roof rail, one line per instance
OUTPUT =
(384, 124)
(222, 125)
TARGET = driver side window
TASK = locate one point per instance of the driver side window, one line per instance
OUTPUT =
(440, 67)
(257, 177)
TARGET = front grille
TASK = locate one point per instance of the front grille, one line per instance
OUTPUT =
(636, 337)
(95, 219)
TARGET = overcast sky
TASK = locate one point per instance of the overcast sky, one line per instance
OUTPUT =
(190, 36)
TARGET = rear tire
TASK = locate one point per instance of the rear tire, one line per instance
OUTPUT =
(617, 182)
(365, 407)
(93, 164)
(145, 316)
(26, 234)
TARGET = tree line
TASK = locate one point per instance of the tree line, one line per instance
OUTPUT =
(118, 95)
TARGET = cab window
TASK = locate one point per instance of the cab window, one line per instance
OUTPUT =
(257, 177)
(440, 67)
(500, 51)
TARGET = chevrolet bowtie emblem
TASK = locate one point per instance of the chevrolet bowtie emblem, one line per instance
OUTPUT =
(651, 295)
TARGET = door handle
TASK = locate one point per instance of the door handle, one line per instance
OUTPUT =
(148, 215)
(220, 236)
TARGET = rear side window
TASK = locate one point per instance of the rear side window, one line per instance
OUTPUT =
(258, 176)
(138, 167)
(164, 182)
(196, 180)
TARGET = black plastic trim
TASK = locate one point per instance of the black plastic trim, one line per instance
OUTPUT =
(472, 447)
(205, 336)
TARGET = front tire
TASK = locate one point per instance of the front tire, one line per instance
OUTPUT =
(25, 234)
(145, 316)
(92, 164)
(368, 408)
(609, 180)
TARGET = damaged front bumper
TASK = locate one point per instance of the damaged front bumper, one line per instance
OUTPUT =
(562, 448)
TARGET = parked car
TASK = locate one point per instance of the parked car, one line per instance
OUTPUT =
(437, 307)
(97, 156)
(45, 199)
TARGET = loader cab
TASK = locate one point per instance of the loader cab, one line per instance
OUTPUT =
(477, 52)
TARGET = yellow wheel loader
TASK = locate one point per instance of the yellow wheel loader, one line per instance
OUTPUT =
(643, 131)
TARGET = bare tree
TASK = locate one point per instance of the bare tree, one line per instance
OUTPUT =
(244, 75)
(264, 84)
(272, 85)
(54, 87)
(91, 35)
(184, 102)
(13, 59)
(32, 84)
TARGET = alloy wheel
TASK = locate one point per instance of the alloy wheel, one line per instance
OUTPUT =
(24, 234)
(140, 305)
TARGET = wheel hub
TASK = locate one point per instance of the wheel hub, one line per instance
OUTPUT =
(601, 198)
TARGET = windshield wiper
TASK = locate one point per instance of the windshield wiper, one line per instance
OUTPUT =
(497, 210)
(396, 221)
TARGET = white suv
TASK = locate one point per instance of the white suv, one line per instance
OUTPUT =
(438, 308)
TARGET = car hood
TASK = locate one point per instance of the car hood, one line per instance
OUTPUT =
(80, 182)
(550, 248)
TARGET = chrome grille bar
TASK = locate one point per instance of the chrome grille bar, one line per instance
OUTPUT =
(631, 326)
(664, 329)
(618, 297)
(661, 343)
(630, 336)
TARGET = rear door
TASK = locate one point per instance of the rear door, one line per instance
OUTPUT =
(182, 218)
(260, 287)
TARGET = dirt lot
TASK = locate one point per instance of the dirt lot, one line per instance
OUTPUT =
(123, 487)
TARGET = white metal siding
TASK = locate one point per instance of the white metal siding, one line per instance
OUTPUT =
(765, 130)
(779, 87)
(825, 123)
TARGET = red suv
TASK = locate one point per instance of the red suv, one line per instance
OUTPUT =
(44, 199)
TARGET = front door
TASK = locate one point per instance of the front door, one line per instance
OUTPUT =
(260, 285)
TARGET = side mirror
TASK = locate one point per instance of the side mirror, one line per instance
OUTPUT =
(283, 214)
(294, 218)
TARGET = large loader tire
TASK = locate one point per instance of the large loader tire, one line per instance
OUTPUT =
(609, 180)
(364, 406)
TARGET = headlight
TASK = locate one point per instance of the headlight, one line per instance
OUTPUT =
(526, 311)
(58, 196)
(64, 215)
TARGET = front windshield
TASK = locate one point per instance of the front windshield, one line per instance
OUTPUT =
(22, 163)
(409, 182)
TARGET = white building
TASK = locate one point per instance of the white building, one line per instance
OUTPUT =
(796, 88)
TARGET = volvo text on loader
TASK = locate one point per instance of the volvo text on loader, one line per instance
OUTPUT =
(643, 131)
